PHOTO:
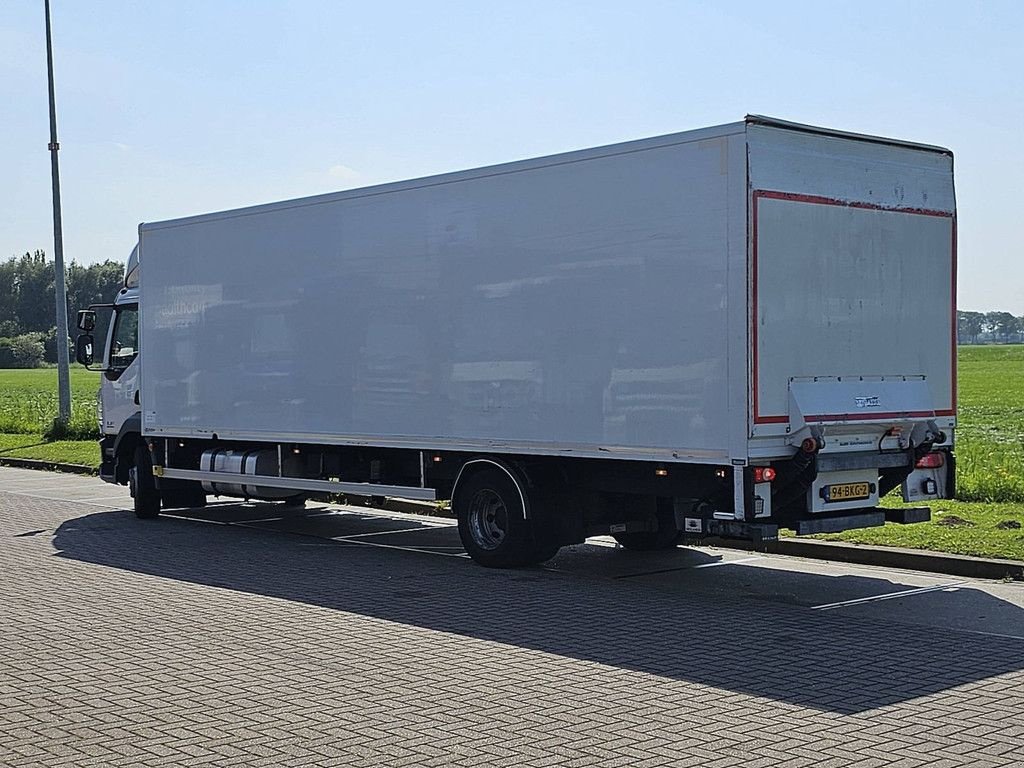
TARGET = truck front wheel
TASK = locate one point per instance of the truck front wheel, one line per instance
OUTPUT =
(143, 489)
(492, 522)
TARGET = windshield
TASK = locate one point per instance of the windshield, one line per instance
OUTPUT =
(124, 343)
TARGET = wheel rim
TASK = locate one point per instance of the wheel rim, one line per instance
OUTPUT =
(488, 519)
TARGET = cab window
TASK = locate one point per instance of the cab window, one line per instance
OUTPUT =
(124, 343)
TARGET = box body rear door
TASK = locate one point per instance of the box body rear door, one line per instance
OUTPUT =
(853, 279)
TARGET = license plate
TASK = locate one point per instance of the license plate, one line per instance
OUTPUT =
(846, 492)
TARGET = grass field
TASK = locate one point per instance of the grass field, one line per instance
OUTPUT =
(83, 452)
(990, 424)
(989, 449)
(960, 527)
(28, 401)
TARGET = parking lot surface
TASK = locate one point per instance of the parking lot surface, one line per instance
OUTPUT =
(250, 634)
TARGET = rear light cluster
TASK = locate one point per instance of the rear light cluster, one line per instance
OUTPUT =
(931, 460)
(763, 474)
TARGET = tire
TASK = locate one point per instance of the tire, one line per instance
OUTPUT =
(144, 492)
(546, 540)
(666, 537)
(294, 502)
(492, 524)
(544, 551)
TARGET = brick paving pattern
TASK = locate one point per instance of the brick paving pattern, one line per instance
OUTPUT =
(126, 643)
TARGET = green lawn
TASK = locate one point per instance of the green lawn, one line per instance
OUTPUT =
(990, 450)
(990, 424)
(28, 401)
(961, 527)
(84, 452)
(28, 404)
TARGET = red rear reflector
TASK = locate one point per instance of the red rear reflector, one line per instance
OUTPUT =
(763, 474)
(931, 460)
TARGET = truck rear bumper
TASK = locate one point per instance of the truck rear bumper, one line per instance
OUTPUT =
(868, 517)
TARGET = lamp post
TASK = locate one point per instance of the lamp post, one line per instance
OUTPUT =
(60, 292)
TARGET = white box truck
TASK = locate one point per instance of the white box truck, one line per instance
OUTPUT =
(714, 332)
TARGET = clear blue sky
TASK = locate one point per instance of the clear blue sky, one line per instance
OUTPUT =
(173, 108)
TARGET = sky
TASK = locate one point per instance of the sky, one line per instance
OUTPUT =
(171, 108)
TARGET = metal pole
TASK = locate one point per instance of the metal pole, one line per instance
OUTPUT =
(60, 292)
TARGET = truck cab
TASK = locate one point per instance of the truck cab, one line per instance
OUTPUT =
(118, 410)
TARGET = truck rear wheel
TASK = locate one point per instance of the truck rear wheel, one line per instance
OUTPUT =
(492, 522)
(545, 550)
(140, 480)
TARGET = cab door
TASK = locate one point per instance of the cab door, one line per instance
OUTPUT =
(120, 389)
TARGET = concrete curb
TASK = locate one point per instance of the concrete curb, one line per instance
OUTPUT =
(47, 466)
(859, 554)
(888, 557)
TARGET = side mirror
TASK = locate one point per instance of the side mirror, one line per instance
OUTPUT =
(83, 348)
(86, 320)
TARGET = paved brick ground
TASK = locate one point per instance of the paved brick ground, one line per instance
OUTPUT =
(172, 642)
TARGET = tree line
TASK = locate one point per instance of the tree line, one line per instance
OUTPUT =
(28, 333)
(989, 327)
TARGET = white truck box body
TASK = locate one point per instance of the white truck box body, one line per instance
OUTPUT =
(647, 300)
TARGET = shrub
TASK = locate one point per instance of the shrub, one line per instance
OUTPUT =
(50, 347)
(24, 351)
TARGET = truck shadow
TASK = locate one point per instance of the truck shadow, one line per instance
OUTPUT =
(722, 639)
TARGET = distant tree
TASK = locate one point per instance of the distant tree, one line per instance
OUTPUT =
(95, 284)
(50, 345)
(991, 325)
(1015, 327)
(969, 326)
(27, 298)
(1004, 325)
(33, 292)
(8, 308)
